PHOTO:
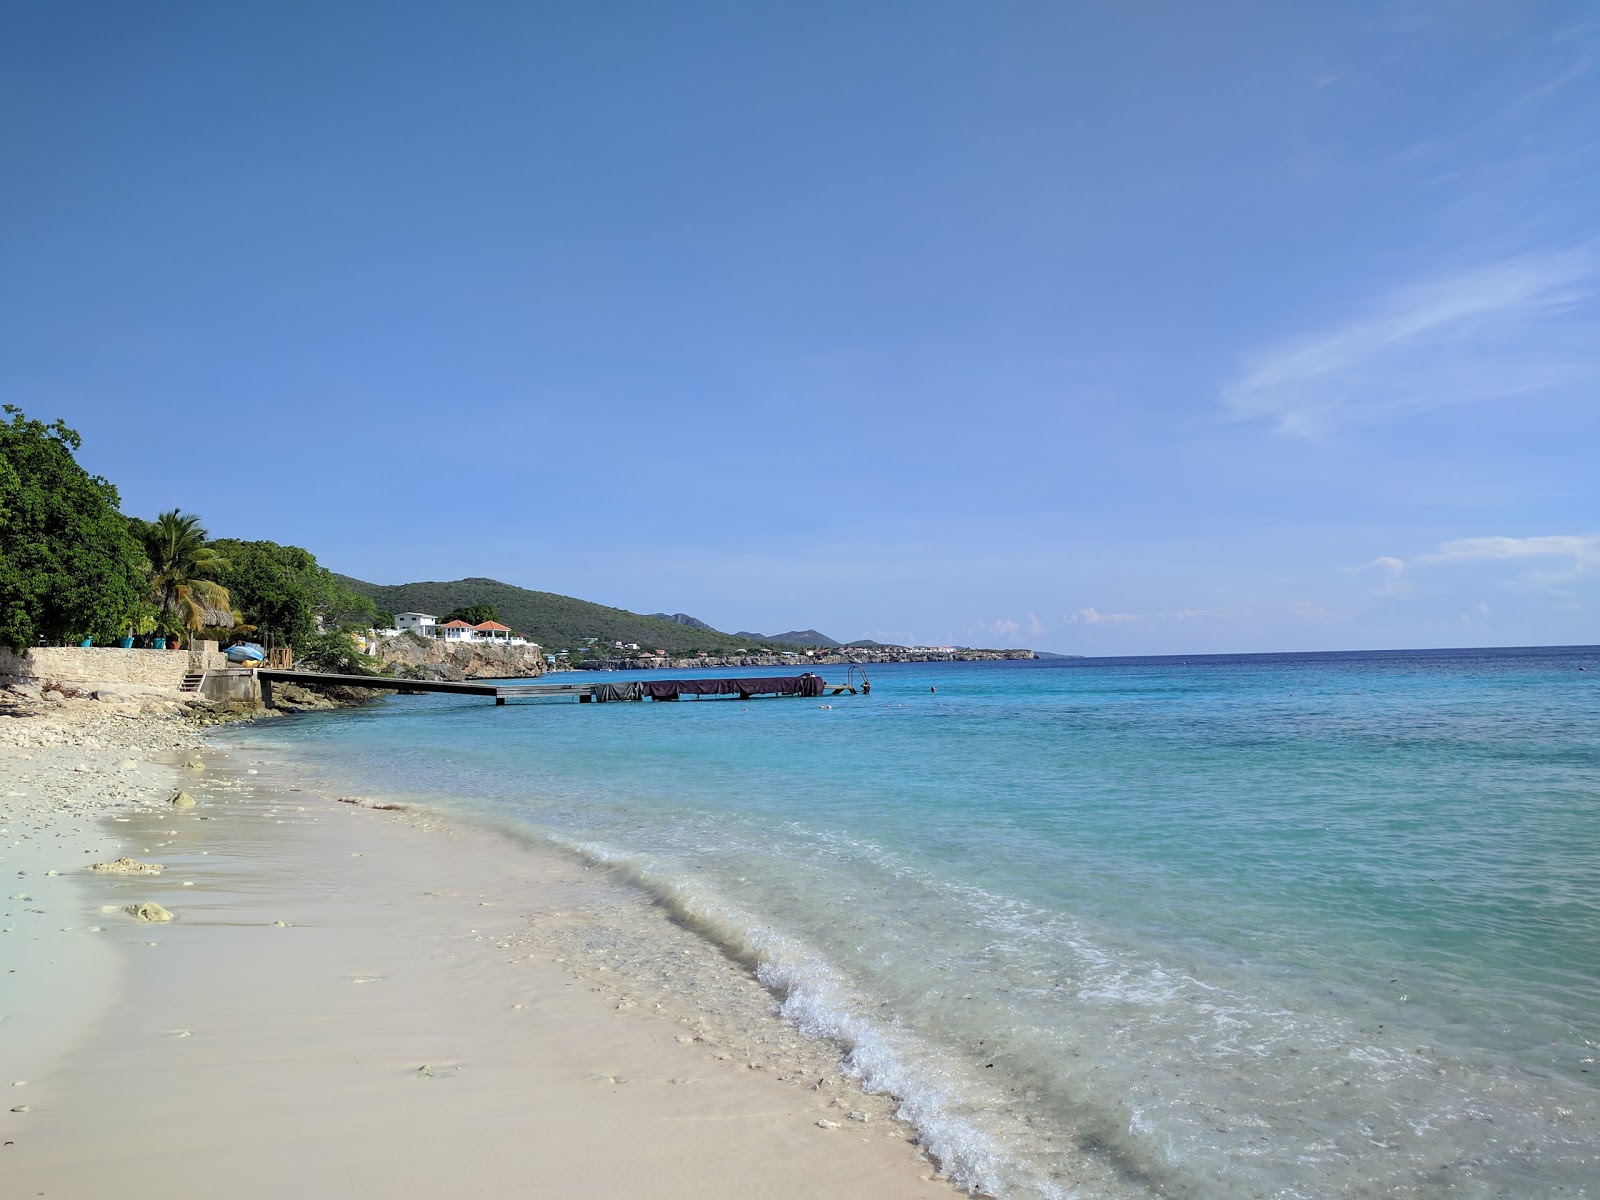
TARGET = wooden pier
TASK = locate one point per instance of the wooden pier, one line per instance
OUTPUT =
(585, 693)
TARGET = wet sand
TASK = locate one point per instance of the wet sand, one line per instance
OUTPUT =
(359, 1001)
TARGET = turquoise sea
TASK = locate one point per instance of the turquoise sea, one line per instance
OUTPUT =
(1243, 926)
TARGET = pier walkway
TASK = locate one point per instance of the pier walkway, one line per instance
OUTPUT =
(586, 693)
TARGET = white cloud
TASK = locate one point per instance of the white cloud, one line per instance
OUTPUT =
(1518, 325)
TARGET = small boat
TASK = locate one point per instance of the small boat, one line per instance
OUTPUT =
(246, 652)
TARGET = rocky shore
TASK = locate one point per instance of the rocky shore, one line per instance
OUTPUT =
(411, 657)
(108, 710)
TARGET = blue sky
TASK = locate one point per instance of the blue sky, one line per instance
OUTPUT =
(1098, 328)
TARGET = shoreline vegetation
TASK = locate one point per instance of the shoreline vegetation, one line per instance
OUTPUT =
(76, 570)
(334, 974)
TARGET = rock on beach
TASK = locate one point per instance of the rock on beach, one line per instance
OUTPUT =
(148, 910)
(128, 866)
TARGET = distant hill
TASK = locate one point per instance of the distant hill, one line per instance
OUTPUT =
(684, 619)
(559, 622)
(868, 644)
(795, 637)
(554, 621)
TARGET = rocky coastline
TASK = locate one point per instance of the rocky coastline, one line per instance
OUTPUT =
(822, 658)
(410, 657)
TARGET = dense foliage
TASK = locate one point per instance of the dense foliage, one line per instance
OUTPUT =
(472, 614)
(69, 565)
(283, 591)
(335, 653)
(556, 622)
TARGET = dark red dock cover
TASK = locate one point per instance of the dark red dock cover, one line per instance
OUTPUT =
(779, 685)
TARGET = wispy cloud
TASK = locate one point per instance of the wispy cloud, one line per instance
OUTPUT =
(1544, 563)
(1517, 325)
(1584, 548)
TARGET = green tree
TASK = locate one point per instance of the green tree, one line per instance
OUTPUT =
(335, 653)
(180, 562)
(472, 614)
(284, 592)
(69, 567)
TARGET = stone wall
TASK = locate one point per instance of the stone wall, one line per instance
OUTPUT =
(108, 664)
(236, 687)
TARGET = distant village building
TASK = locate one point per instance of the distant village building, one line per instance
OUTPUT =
(422, 623)
(426, 625)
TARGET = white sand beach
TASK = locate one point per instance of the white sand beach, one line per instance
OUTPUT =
(350, 1000)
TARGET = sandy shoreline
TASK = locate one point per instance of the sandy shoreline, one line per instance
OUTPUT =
(351, 1000)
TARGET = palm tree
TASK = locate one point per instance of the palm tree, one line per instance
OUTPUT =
(179, 558)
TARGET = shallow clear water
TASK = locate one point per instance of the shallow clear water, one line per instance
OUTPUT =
(1224, 926)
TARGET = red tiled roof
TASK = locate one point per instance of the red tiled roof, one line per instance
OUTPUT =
(493, 625)
(457, 624)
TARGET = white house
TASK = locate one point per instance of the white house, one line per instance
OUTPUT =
(422, 623)
(457, 631)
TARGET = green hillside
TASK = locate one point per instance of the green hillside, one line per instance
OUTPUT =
(555, 622)
(795, 637)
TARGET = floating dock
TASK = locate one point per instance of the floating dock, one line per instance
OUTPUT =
(586, 693)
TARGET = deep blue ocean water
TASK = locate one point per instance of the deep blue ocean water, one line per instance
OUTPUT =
(1265, 925)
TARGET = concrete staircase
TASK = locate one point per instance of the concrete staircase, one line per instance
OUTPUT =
(192, 681)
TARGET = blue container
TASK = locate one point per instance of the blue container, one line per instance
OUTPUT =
(86, 643)
(126, 643)
(161, 643)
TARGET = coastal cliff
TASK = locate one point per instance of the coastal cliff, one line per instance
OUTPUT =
(428, 658)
